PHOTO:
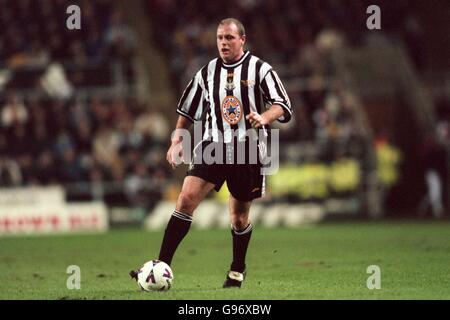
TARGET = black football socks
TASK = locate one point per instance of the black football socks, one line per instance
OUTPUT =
(177, 228)
(240, 244)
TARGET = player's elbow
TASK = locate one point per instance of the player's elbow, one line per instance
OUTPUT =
(283, 113)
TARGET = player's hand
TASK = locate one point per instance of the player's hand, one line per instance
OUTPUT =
(256, 120)
(175, 154)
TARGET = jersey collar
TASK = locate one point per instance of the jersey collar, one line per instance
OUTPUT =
(237, 63)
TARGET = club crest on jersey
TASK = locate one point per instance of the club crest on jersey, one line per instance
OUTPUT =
(231, 110)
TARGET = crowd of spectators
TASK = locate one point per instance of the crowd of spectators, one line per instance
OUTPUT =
(94, 146)
(272, 29)
(34, 34)
(289, 32)
(43, 142)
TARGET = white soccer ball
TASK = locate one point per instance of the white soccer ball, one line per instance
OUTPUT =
(155, 275)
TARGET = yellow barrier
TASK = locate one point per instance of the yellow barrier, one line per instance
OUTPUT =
(316, 180)
(319, 180)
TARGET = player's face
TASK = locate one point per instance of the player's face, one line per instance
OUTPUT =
(230, 43)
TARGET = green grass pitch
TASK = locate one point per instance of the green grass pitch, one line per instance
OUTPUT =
(325, 261)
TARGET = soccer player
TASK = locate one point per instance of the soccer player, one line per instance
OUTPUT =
(232, 96)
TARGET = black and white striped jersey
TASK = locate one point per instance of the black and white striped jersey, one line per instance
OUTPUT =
(221, 95)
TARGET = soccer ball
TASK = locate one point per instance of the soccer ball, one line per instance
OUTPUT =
(155, 275)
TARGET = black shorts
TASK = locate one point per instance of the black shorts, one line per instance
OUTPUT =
(245, 181)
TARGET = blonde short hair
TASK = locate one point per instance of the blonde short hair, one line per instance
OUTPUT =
(238, 24)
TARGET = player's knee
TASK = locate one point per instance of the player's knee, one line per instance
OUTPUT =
(187, 202)
(239, 222)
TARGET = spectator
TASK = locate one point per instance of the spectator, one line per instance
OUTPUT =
(435, 163)
(45, 168)
(137, 185)
(14, 112)
(70, 169)
(10, 173)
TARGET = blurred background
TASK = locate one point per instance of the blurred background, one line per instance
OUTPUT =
(86, 115)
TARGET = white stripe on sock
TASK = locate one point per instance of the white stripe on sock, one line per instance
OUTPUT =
(182, 216)
(246, 230)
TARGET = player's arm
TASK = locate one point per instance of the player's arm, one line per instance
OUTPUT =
(274, 94)
(176, 149)
(190, 108)
(259, 120)
(183, 123)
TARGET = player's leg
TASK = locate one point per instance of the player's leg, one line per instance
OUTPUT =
(241, 231)
(194, 190)
(245, 184)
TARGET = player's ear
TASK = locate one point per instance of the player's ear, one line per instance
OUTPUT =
(243, 38)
